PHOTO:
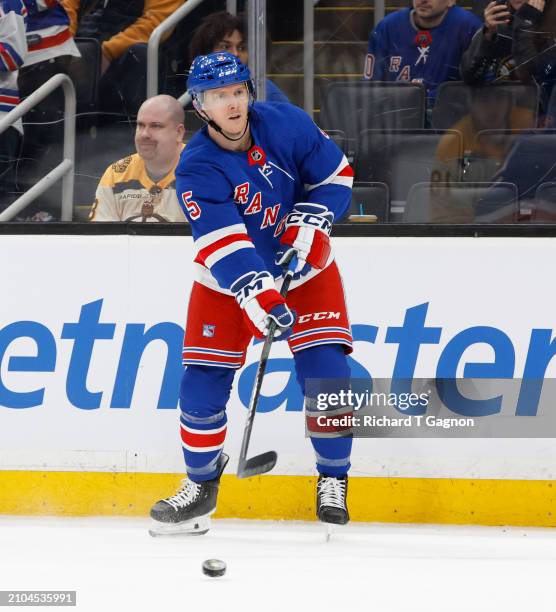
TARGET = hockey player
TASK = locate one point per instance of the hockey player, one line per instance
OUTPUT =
(257, 183)
(422, 45)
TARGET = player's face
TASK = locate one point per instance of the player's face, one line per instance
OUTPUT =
(233, 43)
(157, 136)
(517, 4)
(430, 10)
(228, 107)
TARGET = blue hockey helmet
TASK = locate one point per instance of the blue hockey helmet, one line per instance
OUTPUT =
(217, 70)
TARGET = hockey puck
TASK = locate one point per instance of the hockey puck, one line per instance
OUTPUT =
(214, 567)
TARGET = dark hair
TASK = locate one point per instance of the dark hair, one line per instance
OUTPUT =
(212, 30)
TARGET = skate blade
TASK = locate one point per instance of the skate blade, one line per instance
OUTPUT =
(331, 528)
(196, 527)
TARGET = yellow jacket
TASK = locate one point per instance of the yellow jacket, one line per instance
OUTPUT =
(155, 11)
(127, 193)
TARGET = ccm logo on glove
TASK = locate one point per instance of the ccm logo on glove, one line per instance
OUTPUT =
(307, 229)
(309, 220)
(256, 295)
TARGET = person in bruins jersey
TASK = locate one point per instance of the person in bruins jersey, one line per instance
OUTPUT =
(141, 187)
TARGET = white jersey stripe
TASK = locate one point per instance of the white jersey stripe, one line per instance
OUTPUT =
(208, 239)
(330, 179)
(201, 349)
(231, 366)
(346, 181)
(203, 432)
(202, 449)
(306, 345)
(320, 330)
(219, 254)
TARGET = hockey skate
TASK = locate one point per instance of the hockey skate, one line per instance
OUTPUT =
(331, 500)
(188, 512)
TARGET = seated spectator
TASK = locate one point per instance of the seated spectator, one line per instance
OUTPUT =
(491, 109)
(421, 45)
(142, 186)
(534, 50)
(13, 51)
(50, 42)
(123, 28)
(224, 32)
(490, 54)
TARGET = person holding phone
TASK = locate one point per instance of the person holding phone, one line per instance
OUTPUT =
(535, 53)
(490, 56)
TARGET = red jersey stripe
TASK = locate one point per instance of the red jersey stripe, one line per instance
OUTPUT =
(212, 248)
(346, 171)
(7, 58)
(201, 441)
(329, 424)
(51, 41)
(9, 100)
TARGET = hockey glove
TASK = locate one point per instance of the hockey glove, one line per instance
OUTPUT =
(256, 294)
(307, 232)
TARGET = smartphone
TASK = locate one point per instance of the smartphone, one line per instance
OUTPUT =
(505, 3)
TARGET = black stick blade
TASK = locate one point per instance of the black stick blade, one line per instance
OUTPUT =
(257, 465)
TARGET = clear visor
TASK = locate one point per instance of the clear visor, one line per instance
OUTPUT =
(233, 95)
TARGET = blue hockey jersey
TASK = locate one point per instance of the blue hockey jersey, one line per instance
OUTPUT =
(399, 51)
(236, 202)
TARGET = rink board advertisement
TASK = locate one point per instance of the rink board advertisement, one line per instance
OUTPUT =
(90, 352)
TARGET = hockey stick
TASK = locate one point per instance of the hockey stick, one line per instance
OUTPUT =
(265, 462)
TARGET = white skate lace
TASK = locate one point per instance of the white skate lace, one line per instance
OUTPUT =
(332, 492)
(187, 494)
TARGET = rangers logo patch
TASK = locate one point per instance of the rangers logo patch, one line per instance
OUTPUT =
(209, 330)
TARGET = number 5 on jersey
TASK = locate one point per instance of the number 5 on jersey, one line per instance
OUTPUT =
(193, 208)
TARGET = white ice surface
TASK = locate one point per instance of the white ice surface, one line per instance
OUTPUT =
(282, 566)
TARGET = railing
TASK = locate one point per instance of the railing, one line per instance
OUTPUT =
(256, 35)
(309, 56)
(63, 170)
(154, 43)
(309, 50)
(379, 11)
(173, 20)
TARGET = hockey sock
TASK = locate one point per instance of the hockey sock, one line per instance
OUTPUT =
(204, 393)
(328, 363)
